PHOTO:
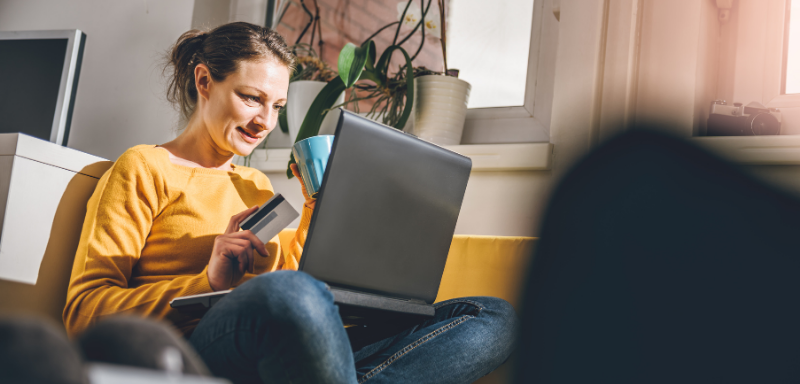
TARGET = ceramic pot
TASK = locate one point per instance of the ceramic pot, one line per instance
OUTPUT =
(301, 94)
(440, 108)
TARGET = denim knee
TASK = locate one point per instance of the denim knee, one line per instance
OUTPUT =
(290, 296)
(507, 328)
(276, 327)
(499, 323)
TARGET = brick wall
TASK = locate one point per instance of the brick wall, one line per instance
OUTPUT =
(352, 21)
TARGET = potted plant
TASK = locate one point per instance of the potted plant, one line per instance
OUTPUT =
(393, 93)
(440, 101)
(310, 75)
(308, 79)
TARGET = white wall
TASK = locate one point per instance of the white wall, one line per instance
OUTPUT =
(578, 85)
(677, 63)
(209, 14)
(120, 100)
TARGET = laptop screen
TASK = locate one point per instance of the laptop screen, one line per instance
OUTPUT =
(386, 212)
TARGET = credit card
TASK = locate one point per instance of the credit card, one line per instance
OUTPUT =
(271, 218)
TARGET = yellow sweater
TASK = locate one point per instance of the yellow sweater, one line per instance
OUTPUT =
(149, 230)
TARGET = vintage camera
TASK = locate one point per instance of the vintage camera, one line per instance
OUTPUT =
(738, 120)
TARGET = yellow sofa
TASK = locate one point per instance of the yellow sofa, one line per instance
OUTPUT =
(476, 265)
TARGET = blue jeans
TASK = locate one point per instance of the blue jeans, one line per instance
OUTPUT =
(283, 327)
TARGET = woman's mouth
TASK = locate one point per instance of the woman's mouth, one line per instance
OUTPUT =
(247, 136)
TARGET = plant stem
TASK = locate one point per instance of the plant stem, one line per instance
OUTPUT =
(403, 16)
(442, 19)
(421, 22)
(379, 31)
(315, 21)
(311, 15)
(319, 27)
(421, 43)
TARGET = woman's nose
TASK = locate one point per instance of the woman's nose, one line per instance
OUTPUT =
(264, 119)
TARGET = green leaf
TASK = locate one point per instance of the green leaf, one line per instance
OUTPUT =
(383, 63)
(352, 60)
(382, 69)
(370, 74)
(283, 121)
(370, 45)
(317, 112)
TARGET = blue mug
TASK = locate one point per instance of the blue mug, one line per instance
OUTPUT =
(312, 155)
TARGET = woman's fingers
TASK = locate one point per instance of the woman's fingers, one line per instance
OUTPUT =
(237, 246)
(232, 247)
(250, 262)
(243, 258)
(233, 224)
(255, 242)
(240, 250)
(231, 257)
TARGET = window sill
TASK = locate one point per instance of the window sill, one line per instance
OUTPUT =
(485, 157)
(755, 150)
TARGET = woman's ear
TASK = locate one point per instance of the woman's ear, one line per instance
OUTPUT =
(202, 80)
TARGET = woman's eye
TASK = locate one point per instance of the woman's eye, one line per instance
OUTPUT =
(252, 99)
(278, 107)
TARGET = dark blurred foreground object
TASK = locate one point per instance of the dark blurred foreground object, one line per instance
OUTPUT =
(659, 263)
(33, 350)
(739, 120)
(140, 343)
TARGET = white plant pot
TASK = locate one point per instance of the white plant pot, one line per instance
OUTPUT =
(301, 94)
(440, 108)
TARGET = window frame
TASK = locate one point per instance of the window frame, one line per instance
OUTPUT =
(775, 64)
(529, 122)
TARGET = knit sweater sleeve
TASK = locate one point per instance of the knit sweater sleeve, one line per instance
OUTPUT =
(291, 259)
(119, 217)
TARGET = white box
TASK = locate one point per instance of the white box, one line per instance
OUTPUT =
(44, 189)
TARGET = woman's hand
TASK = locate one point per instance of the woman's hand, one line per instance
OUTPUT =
(232, 255)
(310, 202)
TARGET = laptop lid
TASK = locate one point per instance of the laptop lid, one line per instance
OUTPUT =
(386, 211)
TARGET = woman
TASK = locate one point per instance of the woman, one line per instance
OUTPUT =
(164, 222)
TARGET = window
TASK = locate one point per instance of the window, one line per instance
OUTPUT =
(791, 67)
(489, 43)
(507, 51)
(766, 60)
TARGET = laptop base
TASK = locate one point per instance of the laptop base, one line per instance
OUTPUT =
(354, 307)
(359, 307)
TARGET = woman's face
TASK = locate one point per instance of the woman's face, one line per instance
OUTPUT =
(242, 109)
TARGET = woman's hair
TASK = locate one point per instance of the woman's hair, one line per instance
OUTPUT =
(221, 50)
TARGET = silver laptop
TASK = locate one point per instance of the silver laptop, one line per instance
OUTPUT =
(384, 220)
